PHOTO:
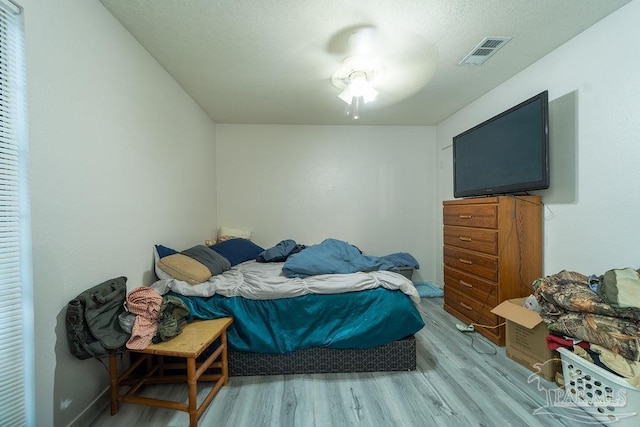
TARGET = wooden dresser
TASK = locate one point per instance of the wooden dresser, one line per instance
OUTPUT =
(492, 252)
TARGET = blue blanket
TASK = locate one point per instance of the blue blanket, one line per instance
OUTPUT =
(351, 320)
(280, 252)
(332, 257)
(402, 259)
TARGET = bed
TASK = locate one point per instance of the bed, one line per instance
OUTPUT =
(354, 321)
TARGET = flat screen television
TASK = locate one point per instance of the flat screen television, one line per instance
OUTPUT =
(507, 154)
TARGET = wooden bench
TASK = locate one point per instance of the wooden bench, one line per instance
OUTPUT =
(194, 339)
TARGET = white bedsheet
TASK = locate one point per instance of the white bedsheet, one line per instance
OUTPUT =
(254, 280)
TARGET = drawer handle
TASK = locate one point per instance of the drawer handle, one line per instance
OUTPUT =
(465, 284)
(464, 216)
(464, 239)
(465, 261)
(466, 306)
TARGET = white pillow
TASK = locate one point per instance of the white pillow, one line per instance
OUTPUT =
(226, 233)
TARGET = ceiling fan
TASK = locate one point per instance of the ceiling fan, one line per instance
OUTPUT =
(382, 65)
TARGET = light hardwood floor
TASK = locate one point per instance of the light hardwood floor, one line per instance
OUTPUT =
(461, 380)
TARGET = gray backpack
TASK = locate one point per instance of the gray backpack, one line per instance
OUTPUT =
(93, 329)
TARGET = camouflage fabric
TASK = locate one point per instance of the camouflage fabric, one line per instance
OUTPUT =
(173, 316)
(569, 307)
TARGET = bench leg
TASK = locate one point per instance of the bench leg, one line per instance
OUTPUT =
(225, 360)
(113, 373)
(193, 391)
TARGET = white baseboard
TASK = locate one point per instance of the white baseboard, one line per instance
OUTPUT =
(94, 409)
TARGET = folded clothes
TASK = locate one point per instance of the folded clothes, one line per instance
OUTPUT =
(591, 356)
(554, 342)
(569, 307)
(624, 367)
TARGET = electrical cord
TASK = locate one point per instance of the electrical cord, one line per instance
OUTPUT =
(493, 351)
(471, 328)
(486, 326)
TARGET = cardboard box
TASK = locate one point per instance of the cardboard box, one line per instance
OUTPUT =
(526, 339)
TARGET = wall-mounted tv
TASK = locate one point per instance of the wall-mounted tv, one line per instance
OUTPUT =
(507, 154)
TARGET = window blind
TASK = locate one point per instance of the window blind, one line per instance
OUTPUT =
(16, 306)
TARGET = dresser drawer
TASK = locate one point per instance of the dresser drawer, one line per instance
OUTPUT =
(479, 289)
(476, 239)
(483, 216)
(485, 266)
(469, 307)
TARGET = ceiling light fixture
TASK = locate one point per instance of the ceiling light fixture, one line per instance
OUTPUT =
(358, 92)
(354, 78)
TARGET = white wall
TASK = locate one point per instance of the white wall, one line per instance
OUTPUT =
(121, 159)
(371, 186)
(591, 218)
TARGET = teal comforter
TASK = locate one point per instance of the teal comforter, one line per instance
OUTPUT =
(360, 319)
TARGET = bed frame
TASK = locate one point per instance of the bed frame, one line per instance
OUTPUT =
(396, 356)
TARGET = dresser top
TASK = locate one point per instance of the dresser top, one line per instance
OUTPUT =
(491, 200)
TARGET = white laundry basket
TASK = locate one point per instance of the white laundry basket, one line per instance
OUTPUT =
(607, 397)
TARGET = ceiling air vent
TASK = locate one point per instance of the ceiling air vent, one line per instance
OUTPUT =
(484, 50)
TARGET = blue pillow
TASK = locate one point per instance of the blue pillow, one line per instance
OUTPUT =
(237, 250)
(164, 251)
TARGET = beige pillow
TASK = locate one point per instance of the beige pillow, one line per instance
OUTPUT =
(184, 268)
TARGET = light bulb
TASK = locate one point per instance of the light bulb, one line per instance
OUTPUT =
(359, 87)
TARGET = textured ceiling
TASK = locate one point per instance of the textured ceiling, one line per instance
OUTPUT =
(271, 61)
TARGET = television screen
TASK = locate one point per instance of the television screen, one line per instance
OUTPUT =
(506, 154)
